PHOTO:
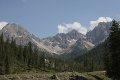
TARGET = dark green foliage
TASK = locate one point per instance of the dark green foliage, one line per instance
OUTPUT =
(113, 58)
(7, 65)
(107, 59)
(93, 59)
(42, 61)
(16, 58)
(13, 56)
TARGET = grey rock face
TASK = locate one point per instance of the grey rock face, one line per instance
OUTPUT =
(63, 41)
(99, 33)
(16, 32)
(92, 38)
(75, 35)
(77, 49)
(21, 36)
(74, 40)
(60, 43)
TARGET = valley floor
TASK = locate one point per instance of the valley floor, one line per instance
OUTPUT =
(98, 75)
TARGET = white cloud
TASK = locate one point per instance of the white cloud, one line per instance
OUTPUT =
(93, 24)
(64, 28)
(2, 24)
(61, 29)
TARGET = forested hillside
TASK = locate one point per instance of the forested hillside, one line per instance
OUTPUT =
(93, 59)
(15, 58)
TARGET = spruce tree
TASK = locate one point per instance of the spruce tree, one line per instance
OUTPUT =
(42, 60)
(114, 49)
(7, 65)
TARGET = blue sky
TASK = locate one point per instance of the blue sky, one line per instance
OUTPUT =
(42, 17)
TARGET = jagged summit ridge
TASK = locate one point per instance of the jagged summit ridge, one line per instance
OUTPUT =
(61, 42)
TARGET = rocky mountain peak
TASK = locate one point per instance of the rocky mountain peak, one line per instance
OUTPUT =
(18, 33)
(61, 42)
(15, 29)
(73, 32)
(99, 33)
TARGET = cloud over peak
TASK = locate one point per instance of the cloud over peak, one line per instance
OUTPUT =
(64, 28)
(2, 24)
(93, 24)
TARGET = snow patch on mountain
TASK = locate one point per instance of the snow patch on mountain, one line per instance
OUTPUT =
(2, 24)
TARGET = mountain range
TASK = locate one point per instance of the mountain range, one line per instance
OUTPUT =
(72, 43)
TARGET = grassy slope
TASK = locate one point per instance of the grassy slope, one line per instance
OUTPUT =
(98, 75)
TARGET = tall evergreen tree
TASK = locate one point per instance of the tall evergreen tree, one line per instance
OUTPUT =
(42, 60)
(30, 54)
(7, 65)
(113, 68)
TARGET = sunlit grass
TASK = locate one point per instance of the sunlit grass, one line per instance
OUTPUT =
(97, 75)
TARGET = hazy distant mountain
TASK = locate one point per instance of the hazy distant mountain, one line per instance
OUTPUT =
(71, 43)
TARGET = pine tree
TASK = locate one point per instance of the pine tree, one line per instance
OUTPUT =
(7, 65)
(25, 55)
(42, 60)
(114, 48)
(35, 58)
(29, 54)
(107, 59)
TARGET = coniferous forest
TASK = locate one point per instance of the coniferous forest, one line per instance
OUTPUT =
(16, 58)
(59, 40)
(104, 57)
(112, 54)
